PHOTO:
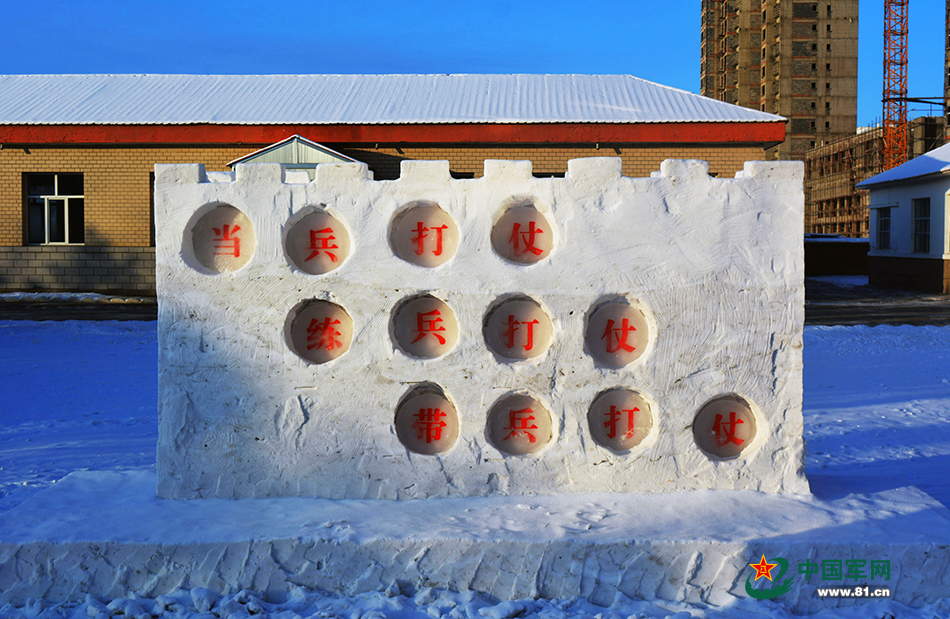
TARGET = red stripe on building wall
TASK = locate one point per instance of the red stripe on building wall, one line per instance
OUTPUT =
(767, 133)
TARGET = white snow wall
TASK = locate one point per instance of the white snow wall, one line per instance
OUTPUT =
(714, 265)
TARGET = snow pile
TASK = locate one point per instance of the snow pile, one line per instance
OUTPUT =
(877, 420)
(70, 297)
(843, 281)
(427, 603)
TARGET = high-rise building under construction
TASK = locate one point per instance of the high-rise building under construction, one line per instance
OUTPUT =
(798, 59)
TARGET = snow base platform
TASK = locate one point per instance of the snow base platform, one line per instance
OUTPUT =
(107, 534)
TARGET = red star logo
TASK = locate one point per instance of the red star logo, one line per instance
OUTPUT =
(763, 568)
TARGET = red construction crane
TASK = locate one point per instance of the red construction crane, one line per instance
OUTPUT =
(895, 83)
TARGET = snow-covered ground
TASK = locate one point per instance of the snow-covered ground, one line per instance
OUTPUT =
(842, 281)
(80, 396)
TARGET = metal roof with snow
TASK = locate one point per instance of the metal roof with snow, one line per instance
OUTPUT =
(354, 99)
(934, 162)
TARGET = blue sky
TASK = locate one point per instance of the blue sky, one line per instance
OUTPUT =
(658, 41)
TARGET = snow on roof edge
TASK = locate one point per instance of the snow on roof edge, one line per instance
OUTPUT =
(492, 121)
(931, 163)
(351, 99)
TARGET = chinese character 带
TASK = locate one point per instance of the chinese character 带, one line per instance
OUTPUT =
(429, 424)
(426, 421)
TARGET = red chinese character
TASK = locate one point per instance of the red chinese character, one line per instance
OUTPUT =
(322, 243)
(726, 432)
(518, 424)
(323, 334)
(429, 424)
(526, 238)
(420, 236)
(429, 323)
(620, 334)
(513, 325)
(614, 416)
(226, 241)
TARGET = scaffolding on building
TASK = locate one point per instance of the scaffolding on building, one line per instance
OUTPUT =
(832, 204)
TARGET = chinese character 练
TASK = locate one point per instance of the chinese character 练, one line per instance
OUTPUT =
(323, 334)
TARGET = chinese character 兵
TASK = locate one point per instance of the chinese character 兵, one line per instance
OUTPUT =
(429, 323)
(226, 240)
(518, 423)
(322, 243)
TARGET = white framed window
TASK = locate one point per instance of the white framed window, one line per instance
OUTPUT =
(55, 209)
(921, 225)
(884, 228)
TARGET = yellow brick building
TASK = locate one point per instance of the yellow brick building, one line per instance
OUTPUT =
(77, 152)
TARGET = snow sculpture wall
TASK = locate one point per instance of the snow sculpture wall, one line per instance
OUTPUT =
(431, 337)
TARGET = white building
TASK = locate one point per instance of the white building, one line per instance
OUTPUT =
(909, 224)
